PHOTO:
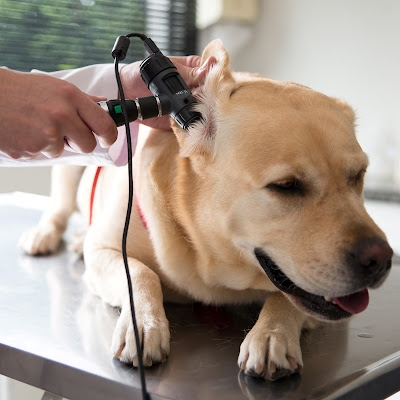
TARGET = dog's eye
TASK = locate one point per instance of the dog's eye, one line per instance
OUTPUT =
(287, 186)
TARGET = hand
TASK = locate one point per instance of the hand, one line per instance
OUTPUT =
(188, 67)
(42, 114)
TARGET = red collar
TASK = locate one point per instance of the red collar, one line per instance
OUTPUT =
(93, 192)
(140, 212)
(95, 179)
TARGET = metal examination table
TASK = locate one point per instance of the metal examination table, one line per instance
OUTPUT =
(55, 335)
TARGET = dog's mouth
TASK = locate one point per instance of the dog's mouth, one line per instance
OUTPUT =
(331, 308)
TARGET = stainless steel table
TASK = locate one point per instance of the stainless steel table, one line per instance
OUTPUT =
(56, 336)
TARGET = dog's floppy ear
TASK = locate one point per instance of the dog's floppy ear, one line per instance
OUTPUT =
(216, 89)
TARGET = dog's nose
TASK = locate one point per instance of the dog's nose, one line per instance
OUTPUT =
(373, 256)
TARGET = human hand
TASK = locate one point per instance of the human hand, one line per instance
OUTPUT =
(42, 114)
(188, 67)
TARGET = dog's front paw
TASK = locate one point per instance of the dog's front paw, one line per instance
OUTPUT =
(270, 354)
(154, 337)
(77, 242)
(40, 240)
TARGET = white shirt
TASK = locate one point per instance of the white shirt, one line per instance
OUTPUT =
(98, 80)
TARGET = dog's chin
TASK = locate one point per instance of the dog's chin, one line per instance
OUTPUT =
(331, 309)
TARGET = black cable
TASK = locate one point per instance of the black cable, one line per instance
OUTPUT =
(145, 394)
(154, 71)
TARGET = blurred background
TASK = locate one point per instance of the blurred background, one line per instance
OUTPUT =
(347, 49)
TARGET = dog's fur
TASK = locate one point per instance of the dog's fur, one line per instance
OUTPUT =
(274, 170)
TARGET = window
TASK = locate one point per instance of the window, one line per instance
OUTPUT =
(59, 34)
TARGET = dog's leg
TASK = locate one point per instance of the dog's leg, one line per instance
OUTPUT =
(271, 349)
(46, 236)
(105, 276)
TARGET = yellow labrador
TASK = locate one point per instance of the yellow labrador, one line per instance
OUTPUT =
(262, 201)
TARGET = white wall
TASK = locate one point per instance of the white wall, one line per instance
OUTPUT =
(344, 48)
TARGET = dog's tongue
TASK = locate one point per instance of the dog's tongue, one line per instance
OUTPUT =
(354, 303)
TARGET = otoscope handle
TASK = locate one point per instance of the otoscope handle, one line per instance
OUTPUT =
(140, 108)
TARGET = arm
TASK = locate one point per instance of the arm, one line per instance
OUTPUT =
(97, 79)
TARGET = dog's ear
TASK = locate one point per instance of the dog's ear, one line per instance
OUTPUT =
(347, 110)
(216, 89)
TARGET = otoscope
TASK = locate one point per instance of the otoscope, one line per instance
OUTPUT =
(171, 95)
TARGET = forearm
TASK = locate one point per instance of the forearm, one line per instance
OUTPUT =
(98, 79)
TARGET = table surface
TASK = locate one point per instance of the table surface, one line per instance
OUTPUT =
(56, 336)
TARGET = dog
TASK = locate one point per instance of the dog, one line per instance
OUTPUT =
(260, 201)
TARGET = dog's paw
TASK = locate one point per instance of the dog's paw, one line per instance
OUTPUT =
(40, 240)
(154, 337)
(77, 242)
(270, 355)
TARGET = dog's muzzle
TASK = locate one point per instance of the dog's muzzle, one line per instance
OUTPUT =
(369, 263)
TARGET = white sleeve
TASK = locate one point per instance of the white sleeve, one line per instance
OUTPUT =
(99, 80)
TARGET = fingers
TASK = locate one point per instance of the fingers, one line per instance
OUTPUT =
(51, 114)
(186, 61)
(98, 121)
(68, 132)
(188, 67)
(74, 128)
(74, 119)
(71, 120)
(97, 98)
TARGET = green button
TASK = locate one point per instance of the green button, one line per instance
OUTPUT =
(118, 109)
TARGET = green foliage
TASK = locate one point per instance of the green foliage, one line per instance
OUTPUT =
(58, 34)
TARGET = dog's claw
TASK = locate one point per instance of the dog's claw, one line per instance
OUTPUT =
(242, 363)
(280, 373)
(148, 362)
(269, 355)
(164, 357)
(294, 364)
(154, 338)
(276, 373)
(119, 351)
(135, 361)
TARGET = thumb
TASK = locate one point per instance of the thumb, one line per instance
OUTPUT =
(97, 98)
